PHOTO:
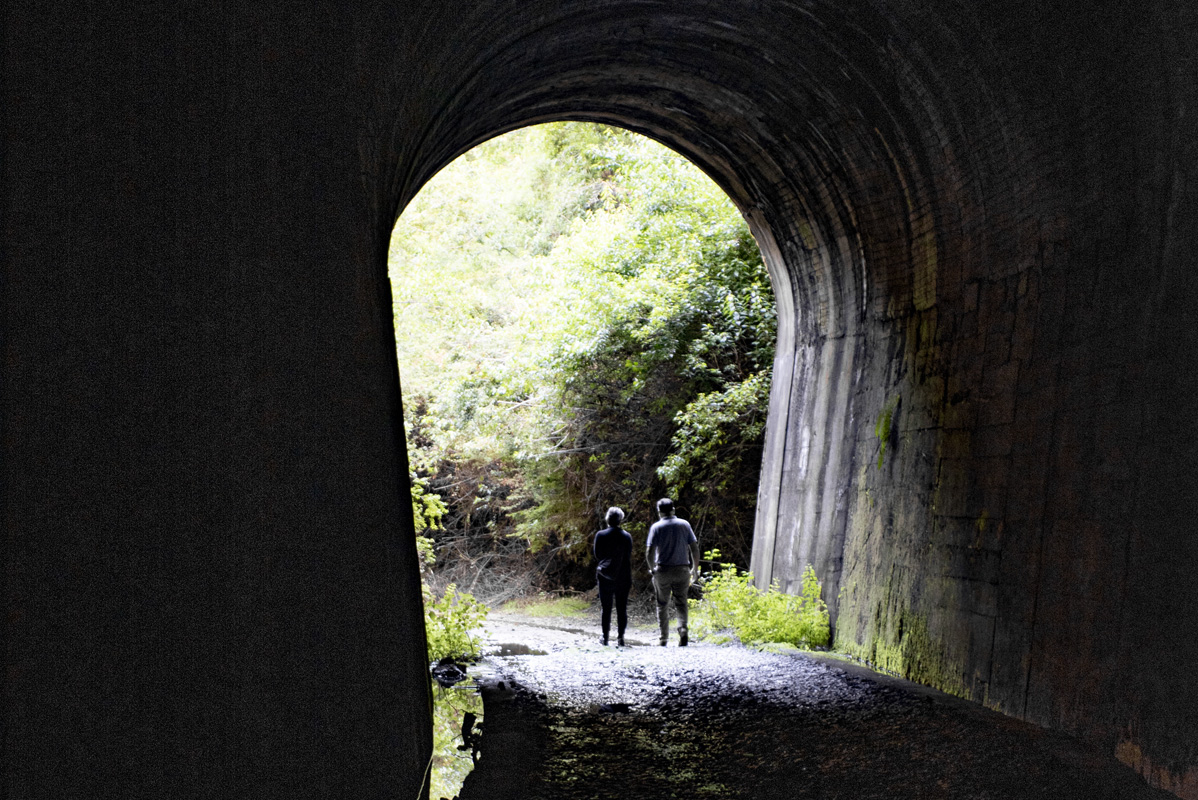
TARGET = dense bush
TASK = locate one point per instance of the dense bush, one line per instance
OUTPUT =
(586, 321)
(449, 621)
(731, 603)
(450, 618)
(676, 329)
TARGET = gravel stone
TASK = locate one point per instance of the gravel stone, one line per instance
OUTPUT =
(583, 720)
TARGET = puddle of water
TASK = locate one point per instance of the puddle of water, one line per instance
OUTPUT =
(517, 650)
(457, 719)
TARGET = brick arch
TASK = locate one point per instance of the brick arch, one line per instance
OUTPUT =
(846, 156)
(859, 166)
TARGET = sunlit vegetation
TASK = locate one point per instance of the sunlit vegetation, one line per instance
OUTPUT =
(548, 606)
(733, 606)
(583, 320)
(451, 618)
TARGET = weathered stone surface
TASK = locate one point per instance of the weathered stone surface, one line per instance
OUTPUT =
(980, 216)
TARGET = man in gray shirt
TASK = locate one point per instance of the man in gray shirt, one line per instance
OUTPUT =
(672, 552)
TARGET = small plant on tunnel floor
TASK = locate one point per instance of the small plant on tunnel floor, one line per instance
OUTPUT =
(448, 623)
(732, 603)
(448, 620)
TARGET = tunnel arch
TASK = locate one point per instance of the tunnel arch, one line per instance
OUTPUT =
(849, 180)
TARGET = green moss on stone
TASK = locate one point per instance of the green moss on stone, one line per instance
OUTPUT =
(904, 646)
(882, 427)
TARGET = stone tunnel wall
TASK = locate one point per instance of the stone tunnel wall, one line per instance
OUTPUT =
(980, 220)
(986, 470)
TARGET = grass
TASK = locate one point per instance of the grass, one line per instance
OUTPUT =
(547, 606)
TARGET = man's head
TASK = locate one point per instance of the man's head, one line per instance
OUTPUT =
(614, 517)
(665, 507)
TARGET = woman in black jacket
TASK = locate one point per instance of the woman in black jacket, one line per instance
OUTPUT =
(613, 550)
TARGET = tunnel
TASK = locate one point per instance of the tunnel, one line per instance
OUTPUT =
(980, 221)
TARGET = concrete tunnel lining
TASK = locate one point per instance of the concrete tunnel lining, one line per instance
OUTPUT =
(982, 214)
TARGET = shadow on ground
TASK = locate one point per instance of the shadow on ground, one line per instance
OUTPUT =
(588, 721)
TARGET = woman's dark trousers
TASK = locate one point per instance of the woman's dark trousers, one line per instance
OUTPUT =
(610, 590)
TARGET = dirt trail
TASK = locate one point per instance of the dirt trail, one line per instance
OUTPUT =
(580, 720)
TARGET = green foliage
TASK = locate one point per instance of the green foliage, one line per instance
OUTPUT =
(448, 622)
(732, 603)
(582, 320)
(709, 427)
(428, 508)
(678, 314)
(450, 618)
(545, 606)
(426, 554)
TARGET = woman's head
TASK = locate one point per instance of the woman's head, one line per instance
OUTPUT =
(614, 517)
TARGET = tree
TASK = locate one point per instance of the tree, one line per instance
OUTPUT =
(608, 340)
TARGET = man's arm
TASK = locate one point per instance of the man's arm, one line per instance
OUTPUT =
(650, 549)
(694, 559)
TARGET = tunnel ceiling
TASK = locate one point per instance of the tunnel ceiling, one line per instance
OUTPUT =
(828, 124)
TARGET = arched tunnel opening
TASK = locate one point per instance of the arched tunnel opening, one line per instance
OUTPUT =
(584, 321)
(980, 224)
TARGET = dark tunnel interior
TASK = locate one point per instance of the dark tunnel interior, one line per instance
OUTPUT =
(980, 221)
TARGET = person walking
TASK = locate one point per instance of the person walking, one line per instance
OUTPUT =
(613, 550)
(672, 552)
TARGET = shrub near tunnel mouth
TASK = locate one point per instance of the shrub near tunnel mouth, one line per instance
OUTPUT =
(731, 603)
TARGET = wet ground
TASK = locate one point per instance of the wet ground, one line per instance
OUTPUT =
(566, 717)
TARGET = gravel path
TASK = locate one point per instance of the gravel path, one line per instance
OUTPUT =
(580, 720)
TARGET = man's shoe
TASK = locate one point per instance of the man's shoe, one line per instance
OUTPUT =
(682, 639)
(662, 642)
(620, 642)
(603, 641)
